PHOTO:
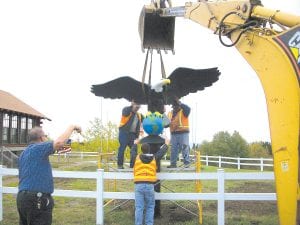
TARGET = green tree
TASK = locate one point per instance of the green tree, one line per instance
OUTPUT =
(267, 145)
(221, 143)
(258, 149)
(99, 137)
(239, 145)
(206, 148)
(225, 144)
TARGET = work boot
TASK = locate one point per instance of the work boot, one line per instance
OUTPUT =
(120, 167)
(172, 166)
(186, 165)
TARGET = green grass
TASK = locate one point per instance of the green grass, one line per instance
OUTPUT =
(72, 211)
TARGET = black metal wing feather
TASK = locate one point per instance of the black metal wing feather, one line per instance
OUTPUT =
(186, 80)
(183, 82)
(123, 87)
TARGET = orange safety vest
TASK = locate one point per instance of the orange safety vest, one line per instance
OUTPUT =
(125, 119)
(144, 172)
(179, 123)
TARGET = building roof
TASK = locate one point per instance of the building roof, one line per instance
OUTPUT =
(10, 102)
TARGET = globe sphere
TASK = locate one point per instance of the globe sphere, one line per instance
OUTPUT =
(153, 123)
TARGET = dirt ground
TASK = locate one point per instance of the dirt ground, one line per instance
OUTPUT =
(256, 208)
(253, 211)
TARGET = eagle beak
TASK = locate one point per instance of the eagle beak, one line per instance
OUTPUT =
(166, 81)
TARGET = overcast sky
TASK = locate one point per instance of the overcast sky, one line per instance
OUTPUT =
(51, 52)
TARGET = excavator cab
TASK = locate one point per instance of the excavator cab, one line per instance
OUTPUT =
(156, 32)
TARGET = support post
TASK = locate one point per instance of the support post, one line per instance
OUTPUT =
(261, 164)
(221, 199)
(99, 160)
(199, 186)
(99, 198)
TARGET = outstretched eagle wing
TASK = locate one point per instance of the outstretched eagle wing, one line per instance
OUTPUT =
(186, 80)
(122, 87)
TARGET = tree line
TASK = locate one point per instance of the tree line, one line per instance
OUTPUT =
(225, 144)
(104, 138)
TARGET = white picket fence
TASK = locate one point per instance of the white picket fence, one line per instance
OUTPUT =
(77, 154)
(219, 161)
(100, 195)
(222, 160)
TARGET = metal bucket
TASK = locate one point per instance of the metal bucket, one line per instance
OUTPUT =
(156, 32)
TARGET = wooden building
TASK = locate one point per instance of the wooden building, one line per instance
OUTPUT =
(16, 118)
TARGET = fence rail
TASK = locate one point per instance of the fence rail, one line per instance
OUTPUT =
(99, 194)
(220, 161)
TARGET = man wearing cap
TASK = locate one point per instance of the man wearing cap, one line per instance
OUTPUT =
(179, 129)
(129, 130)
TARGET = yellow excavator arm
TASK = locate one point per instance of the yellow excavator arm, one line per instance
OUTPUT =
(270, 42)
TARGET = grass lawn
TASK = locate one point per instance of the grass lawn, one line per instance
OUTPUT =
(82, 211)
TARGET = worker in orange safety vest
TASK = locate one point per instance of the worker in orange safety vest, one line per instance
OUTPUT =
(179, 129)
(129, 130)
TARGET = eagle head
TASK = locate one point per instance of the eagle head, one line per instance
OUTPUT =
(158, 87)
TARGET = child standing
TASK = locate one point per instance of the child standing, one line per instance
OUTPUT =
(144, 178)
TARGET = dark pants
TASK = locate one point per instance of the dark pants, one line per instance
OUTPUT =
(34, 210)
(125, 139)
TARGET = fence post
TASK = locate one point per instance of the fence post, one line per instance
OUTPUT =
(221, 199)
(261, 164)
(238, 163)
(1, 194)
(220, 161)
(99, 198)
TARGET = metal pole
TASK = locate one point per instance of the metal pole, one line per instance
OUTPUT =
(196, 122)
(199, 186)
(99, 160)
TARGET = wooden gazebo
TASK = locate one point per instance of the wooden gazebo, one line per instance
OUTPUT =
(16, 118)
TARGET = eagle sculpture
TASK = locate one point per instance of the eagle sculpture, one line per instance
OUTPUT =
(181, 82)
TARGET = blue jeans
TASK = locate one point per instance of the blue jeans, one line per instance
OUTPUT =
(180, 142)
(144, 199)
(125, 139)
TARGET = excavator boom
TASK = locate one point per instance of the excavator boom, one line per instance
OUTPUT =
(274, 54)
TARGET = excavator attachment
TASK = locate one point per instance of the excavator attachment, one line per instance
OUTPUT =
(156, 32)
